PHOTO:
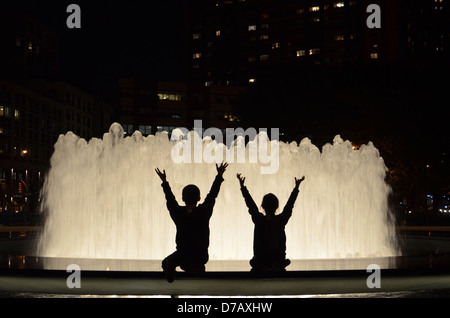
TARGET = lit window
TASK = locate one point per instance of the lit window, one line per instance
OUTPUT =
(251, 80)
(374, 56)
(264, 37)
(264, 57)
(218, 33)
(275, 45)
(339, 37)
(196, 55)
(299, 11)
(16, 114)
(170, 96)
(314, 9)
(338, 4)
(301, 53)
(196, 36)
(252, 59)
(4, 111)
(252, 27)
(30, 45)
(314, 51)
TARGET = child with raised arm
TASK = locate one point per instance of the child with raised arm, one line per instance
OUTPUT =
(192, 223)
(269, 238)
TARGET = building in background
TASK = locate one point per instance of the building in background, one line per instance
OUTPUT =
(36, 106)
(233, 42)
(151, 107)
(424, 28)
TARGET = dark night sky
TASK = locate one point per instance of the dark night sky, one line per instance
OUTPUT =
(126, 38)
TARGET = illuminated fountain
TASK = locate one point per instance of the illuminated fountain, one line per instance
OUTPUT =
(104, 199)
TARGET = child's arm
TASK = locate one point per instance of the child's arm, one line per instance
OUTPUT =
(252, 207)
(170, 198)
(215, 188)
(287, 211)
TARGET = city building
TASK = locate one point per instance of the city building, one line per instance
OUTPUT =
(31, 119)
(425, 28)
(233, 42)
(36, 106)
(151, 107)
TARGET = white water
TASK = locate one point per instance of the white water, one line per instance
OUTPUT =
(104, 200)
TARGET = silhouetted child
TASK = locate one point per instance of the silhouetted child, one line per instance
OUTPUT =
(269, 238)
(192, 223)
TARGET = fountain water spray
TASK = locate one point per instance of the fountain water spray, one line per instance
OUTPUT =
(103, 198)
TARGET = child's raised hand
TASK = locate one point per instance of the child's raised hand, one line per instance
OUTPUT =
(221, 169)
(162, 175)
(298, 181)
(241, 179)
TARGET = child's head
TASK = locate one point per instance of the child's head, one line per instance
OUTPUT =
(270, 203)
(191, 194)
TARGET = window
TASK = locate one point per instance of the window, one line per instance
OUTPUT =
(275, 45)
(251, 80)
(30, 45)
(4, 111)
(169, 96)
(145, 129)
(338, 4)
(264, 37)
(339, 37)
(252, 27)
(373, 56)
(127, 129)
(218, 33)
(196, 55)
(264, 57)
(167, 129)
(196, 36)
(314, 9)
(301, 53)
(314, 51)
